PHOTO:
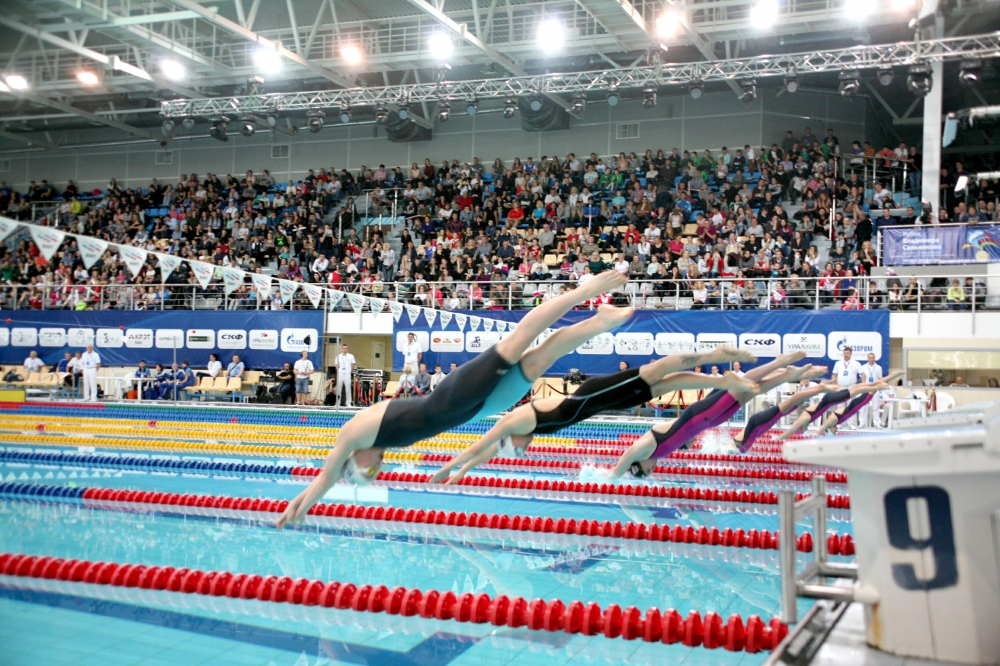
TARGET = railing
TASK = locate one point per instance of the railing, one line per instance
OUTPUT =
(718, 293)
(872, 169)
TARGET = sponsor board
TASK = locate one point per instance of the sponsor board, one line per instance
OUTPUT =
(761, 344)
(169, 338)
(599, 344)
(423, 339)
(79, 337)
(52, 337)
(666, 344)
(299, 339)
(709, 341)
(24, 337)
(479, 341)
(200, 338)
(634, 344)
(263, 339)
(4, 337)
(861, 343)
(231, 338)
(447, 341)
(139, 338)
(813, 344)
(111, 338)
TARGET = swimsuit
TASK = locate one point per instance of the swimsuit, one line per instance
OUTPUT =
(620, 390)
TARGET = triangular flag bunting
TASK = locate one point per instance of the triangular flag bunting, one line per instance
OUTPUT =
(412, 311)
(287, 288)
(202, 272)
(91, 249)
(314, 293)
(501, 326)
(445, 319)
(430, 315)
(487, 325)
(48, 240)
(168, 264)
(7, 227)
(335, 297)
(233, 279)
(262, 283)
(357, 302)
(474, 322)
(377, 306)
(396, 308)
(133, 257)
(460, 320)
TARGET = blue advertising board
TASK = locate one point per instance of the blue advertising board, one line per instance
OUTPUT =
(945, 244)
(651, 334)
(264, 339)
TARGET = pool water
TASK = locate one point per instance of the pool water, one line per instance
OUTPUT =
(56, 622)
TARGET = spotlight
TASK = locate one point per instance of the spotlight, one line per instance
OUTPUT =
(648, 97)
(271, 120)
(792, 81)
(404, 111)
(970, 73)
(168, 125)
(440, 45)
(858, 10)
(509, 107)
(87, 78)
(443, 111)
(188, 123)
(173, 70)
(551, 35)
(535, 102)
(315, 117)
(613, 96)
(267, 60)
(218, 129)
(919, 81)
(381, 113)
(885, 75)
(697, 89)
(16, 82)
(748, 91)
(345, 114)
(764, 14)
(471, 107)
(248, 125)
(579, 104)
(850, 82)
(351, 54)
(667, 24)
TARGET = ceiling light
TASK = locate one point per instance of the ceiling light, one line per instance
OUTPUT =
(971, 72)
(918, 80)
(697, 89)
(858, 10)
(315, 117)
(87, 78)
(648, 97)
(404, 111)
(345, 114)
(509, 107)
(188, 123)
(168, 125)
(535, 102)
(748, 91)
(551, 35)
(443, 111)
(218, 129)
(613, 96)
(271, 120)
(667, 23)
(850, 82)
(885, 75)
(351, 54)
(440, 45)
(579, 104)
(248, 125)
(792, 81)
(381, 113)
(764, 14)
(173, 70)
(471, 107)
(267, 60)
(16, 82)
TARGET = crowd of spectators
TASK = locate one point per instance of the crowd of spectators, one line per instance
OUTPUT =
(733, 227)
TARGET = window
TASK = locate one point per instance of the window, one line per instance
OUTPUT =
(164, 157)
(627, 131)
(944, 367)
(279, 151)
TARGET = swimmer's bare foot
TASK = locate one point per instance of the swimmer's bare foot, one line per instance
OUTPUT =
(734, 382)
(607, 281)
(814, 372)
(612, 317)
(830, 386)
(790, 357)
(728, 354)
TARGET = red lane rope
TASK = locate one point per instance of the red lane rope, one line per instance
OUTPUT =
(764, 540)
(668, 627)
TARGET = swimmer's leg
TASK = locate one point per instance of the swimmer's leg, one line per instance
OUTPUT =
(683, 381)
(536, 361)
(660, 368)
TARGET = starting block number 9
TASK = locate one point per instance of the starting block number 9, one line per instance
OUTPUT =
(919, 518)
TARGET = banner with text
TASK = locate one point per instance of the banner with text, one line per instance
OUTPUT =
(650, 335)
(263, 339)
(947, 244)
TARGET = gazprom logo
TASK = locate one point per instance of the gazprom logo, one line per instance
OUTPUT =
(861, 343)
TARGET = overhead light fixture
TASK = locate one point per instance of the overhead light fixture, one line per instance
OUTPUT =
(404, 111)
(271, 120)
(918, 80)
(173, 70)
(87, 78)
(471, 106)
(850, 82)
(440, 45)
(858, 10)
(443, 111)
(509, 107)
(248, 125)
(792, 81)
(16, 82)
(648, 97)
(267, 60)
(551, 35)
(315, 119)
(971, 72)
(345, 114)
(579, 104)
(351, 54)
(885, 75)
(696, 89)
(764, 14)
(381, 113)
(613, 96)
(218, 129)
(168, 125)
(535, 102)
(748, 91)
(188, 123)
(667, 24)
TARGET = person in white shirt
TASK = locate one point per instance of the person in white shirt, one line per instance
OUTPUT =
(33, 363)
(738, 369)
(848, 373)
(214, 367)
(345, 366)
(303, 369)
(437, 377)
(871, 373)
(91, 362)
(412, 354)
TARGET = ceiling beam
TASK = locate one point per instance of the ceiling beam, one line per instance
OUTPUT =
(704, 47)
(69, 108)
(30, 140)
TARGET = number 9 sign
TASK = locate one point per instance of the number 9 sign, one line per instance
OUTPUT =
(908, 531)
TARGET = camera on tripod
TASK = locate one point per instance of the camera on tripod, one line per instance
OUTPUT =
(575, 376)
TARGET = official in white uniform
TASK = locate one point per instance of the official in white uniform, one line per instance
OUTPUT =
(412, 354)
(869, 414)
(345, 366)
(91, 362)
(848, 373)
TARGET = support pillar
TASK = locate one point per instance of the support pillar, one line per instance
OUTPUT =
(930, 185)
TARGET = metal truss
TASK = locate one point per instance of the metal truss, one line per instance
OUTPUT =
(744, 69)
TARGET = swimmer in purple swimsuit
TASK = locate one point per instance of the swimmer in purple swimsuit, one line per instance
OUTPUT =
(764, 420)
(868, 392)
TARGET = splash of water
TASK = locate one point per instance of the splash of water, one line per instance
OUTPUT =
(717, 440)
(592, 472)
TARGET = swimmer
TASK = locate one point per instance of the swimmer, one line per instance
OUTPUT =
(460, 397)
(814, 412)
(622, 390)
(864, 395)
(764, 420)
(713, 410)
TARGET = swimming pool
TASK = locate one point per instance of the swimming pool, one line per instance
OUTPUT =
(91, 517)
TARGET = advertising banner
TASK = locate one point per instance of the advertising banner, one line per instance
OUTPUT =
(264, 340)
(650, 335)
(947, 244)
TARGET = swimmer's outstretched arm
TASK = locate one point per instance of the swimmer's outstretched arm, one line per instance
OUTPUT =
(520, 421)
(834, 418)
(641, 449)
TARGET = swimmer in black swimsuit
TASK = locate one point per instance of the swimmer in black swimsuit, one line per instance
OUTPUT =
(813, 412)
(862, 398)
(362, 441)
(622, 390)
